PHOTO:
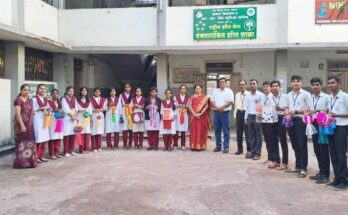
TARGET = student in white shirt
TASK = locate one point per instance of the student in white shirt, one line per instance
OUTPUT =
(321, 150)
(338, 108)
(254, 125)
(239, 113)
(269, 128)
(300, 103)
(280, 100)
(221, 101)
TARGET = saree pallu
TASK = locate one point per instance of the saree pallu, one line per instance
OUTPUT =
(199, 128)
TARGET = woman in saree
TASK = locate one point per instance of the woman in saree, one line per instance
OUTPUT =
(25, 148)
(199, 119)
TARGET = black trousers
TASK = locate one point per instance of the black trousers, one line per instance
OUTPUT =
(255, 138)
(269, 135)
(242, 128)
(338, 148)
(281, 137)
(298, 140)
(322, 153)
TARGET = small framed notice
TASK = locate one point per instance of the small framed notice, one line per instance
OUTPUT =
(184, 75)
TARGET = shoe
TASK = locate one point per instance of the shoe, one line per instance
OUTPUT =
(38, 161)
(238, 152)
(315, 177)
(44, 160)
(333, 184)
(73, 153)
(149, 149)
(256, 157)
(58, 156)
(100, 150)
(217, 149)
(53, 157)
(226, 150)
(282, 167)
(266, 161)
(302, 174)
(94, 150)
(322, 180)
(183, 148)
(175, 148)
(249, 155)
(67, 155)
(341, 187)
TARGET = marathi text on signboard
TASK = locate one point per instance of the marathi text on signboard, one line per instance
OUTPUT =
(225, 23)
(331, 12)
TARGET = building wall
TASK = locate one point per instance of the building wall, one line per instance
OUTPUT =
(302, 27)
(6, 12)
(258, 65)
(5, 112)
(313, 58)
(108, 27)
(179, 27)
(41, 19)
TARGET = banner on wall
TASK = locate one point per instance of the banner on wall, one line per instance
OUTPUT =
(225, 23)
(331, 11)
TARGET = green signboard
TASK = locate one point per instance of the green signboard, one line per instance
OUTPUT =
(225, 23)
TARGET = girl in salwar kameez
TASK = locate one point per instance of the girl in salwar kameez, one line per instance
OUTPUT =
(24, 136)
(199, 119)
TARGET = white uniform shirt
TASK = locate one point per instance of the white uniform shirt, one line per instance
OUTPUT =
(339, 105)
(281, 101)
(321, 102)
(299, 101)
(251, 101)
(220, 97)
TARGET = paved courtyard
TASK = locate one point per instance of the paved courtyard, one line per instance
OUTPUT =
(178, 182)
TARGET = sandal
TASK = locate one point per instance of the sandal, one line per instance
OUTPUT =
(273, 165)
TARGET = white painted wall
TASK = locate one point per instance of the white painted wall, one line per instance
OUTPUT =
(314, 58)
(108, 27)
(180, 27)
(6, 12)
(302, 27)
(258, 65)
(41, 19)
(5, 112)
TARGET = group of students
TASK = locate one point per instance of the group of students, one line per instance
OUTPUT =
(295, 113)
(88, 118)
(83, 119)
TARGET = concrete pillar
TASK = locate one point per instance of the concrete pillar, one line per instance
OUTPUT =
(162, 74)
(63, 71)
(18, 14)
(15, 69)
(15, 66)
(282, 21)
(88, 74)
(161, 22)
(281, 68)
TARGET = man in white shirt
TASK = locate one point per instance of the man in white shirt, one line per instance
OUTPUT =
(253, 100)
(239, 113)
(280, 100)
(221, 101)
(269, 128)
(300, 103)
(321, 150)
(338, 108)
